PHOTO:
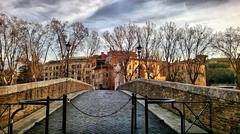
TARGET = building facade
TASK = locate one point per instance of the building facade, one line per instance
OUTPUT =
(79, 68)
(107, 71)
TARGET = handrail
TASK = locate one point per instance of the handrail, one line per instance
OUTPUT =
(172, 102)
(35, 102)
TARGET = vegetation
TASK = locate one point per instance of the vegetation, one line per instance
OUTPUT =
(228, 43)
(218, 73)
(30, 44)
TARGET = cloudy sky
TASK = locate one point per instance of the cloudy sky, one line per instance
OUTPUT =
(101, 15)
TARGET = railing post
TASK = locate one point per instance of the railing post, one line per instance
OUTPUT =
(182, 119)
(9, 117)
(184, 116)
(132, 115)
(47, 115)
(64, 118)
(146, 115)
(135, 111)
(210, 115)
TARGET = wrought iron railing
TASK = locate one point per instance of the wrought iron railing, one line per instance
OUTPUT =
(182, 113)
(204, 107)
(7, 109)
(5, 116)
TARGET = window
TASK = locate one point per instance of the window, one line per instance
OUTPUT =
(46, 74)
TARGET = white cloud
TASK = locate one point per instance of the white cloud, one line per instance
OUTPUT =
(105, 14)
(216, 17)
(218, 14)
(44, 10)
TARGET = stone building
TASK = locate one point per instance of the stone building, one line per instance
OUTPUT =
(107, 71)
(149, 69)
(178, 70)
(104, 77)
(79, 68)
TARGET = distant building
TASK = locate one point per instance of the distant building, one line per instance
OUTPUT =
(104, 78)
(179, 71)
(107, 71)
(79, 68)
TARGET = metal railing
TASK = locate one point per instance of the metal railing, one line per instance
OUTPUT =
(206, 105)
(182, 113)
(45, 102)
(6, 112)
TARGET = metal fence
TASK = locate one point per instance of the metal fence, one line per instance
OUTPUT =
(181, 112)
(6, 111)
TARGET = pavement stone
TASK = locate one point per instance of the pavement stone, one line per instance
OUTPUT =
(101, 102)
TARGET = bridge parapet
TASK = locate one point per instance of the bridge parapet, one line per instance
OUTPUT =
(225, 108)
(33, 91)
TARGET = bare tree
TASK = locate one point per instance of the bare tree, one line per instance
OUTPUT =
(193, 45)
(169, 47)
(77, 33)
(228, 43)
(150, 40)
(63, 33)
(91, 44)
(123, 39)
(10, 41)
(35, 47)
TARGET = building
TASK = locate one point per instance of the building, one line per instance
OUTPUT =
(107, 71)
(178, 71)
(149, 69)
(101, 72)
(79, 68)
(104, 78)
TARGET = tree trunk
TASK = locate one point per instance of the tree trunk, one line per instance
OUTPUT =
(238, 80)
(168, 78)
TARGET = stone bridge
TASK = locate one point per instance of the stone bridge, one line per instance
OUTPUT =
(224, 108)
(33, 91)
(225, 103)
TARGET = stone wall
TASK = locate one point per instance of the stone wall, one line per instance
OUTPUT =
(36, 90)
(225, 102)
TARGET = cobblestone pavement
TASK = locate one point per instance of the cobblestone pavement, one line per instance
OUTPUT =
(97, 103)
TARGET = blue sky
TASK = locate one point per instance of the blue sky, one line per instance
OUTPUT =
(101, 15)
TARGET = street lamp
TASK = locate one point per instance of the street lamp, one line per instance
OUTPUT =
(139, 50)
(68, 46)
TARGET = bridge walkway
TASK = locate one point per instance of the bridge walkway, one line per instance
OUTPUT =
(101, 103)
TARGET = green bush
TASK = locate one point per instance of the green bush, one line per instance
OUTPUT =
(219, 74)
